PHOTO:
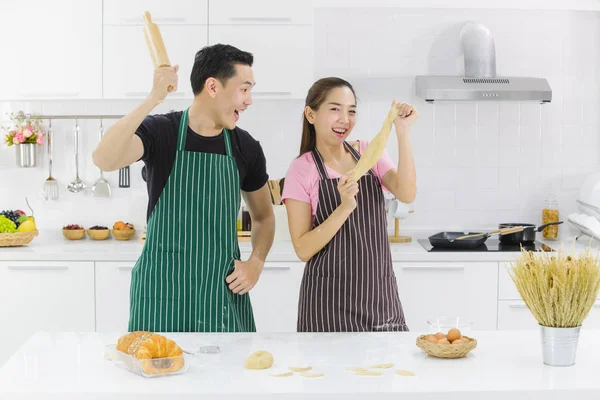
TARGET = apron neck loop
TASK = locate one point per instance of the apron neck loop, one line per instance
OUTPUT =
(182, 134)
(320, 164)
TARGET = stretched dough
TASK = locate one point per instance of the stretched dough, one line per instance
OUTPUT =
(259, 360)
(356, 369)
(368, 373)
(283, 375)
(300, 369)
(405, 373)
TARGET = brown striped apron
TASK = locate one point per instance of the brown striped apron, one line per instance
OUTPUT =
(350, 285)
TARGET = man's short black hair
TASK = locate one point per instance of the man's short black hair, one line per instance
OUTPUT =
(217, 61)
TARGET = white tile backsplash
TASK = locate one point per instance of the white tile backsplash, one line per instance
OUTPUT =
(478, 164)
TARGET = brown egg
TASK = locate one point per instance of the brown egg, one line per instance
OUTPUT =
(459, 341)
(454, 334)
(440, 335)
(430, 339)
(443, 341)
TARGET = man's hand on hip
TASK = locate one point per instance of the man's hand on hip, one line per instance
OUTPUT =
(244, 276)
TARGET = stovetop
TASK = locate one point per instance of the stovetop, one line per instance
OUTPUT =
(489, 245)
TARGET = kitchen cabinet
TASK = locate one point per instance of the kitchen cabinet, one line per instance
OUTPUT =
(44, 296)
(173, 12)
(283, 56)
(448, 289)
(261, 12)
(51, 49)
(514, 315)
(112, 295)
(128, 70)
(275, 297)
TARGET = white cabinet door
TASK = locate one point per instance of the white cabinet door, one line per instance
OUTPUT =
(514, 315)
(128, 68)
(51, 49)
(173, 12)
(283, 56)
(275, 297)
(430, 290)
(261, 12)
(44, 296)
(112, 295)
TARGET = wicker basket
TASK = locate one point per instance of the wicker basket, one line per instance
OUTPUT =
(98, 234)
(17, 238)
(446, 350)
(123, 234)
(74, 234)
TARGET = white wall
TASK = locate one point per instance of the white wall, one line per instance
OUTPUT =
(477, 164)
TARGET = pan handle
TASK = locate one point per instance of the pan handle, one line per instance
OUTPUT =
(541, 227)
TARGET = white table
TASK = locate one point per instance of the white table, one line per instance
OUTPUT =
(505, 365)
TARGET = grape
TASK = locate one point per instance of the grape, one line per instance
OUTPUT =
(7, 225)
(13, 216)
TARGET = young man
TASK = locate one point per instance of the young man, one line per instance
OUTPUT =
(189, 277)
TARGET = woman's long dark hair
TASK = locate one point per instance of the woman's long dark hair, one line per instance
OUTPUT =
(316, 96)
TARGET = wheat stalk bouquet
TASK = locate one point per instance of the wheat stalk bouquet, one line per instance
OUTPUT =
(558, 288)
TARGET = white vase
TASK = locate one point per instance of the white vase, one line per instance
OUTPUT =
(26, 155)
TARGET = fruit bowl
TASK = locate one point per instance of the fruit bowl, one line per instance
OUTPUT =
(446, 350)
(98, 234)
(17, 238)
(123, 234)
(73, 232)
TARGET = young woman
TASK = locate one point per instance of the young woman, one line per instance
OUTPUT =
(338, 226)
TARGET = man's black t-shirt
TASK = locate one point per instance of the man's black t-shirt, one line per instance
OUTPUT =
(159, 136)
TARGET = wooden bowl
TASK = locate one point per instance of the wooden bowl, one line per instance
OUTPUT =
(74, 234)
(446, 350)
(98, 234)
(17, 238)
(123, 234)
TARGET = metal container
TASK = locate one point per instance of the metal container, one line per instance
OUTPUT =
(559, 345)
(26, 155)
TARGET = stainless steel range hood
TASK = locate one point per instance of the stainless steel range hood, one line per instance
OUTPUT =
(480, 82)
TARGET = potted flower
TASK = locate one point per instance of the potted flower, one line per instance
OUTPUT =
(26, 136)
(559, 288)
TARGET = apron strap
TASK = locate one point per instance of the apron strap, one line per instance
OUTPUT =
(320, 164)
(182, 131)
(227, 139)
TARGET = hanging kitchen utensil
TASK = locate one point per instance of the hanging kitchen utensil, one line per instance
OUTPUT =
(50, 191)
(101, 187)
(124, 176)
(526, 236)
(76, 185)
(470, 240)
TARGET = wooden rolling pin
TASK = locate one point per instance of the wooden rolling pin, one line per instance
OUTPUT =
(156, 46)
(375, 149)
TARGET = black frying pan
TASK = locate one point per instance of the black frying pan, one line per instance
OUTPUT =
(526, 236)
(447, 240)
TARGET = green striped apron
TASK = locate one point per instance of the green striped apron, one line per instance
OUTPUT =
(178, 283)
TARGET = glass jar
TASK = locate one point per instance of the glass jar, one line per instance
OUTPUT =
(550, 214)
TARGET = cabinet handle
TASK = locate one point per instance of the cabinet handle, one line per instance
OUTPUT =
(125, 267)
(271, 93)
(279, 268)
(143, 94)
(260, 19)
(517, 306)
(49, 95)
(38, 268)
(165, 20)
(433, 268)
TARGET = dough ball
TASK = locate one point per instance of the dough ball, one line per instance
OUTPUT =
(259, 360)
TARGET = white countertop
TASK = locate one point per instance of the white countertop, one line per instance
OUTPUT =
(52, 246)
(505, 365)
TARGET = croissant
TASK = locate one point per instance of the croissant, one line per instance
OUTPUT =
(158, 354)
